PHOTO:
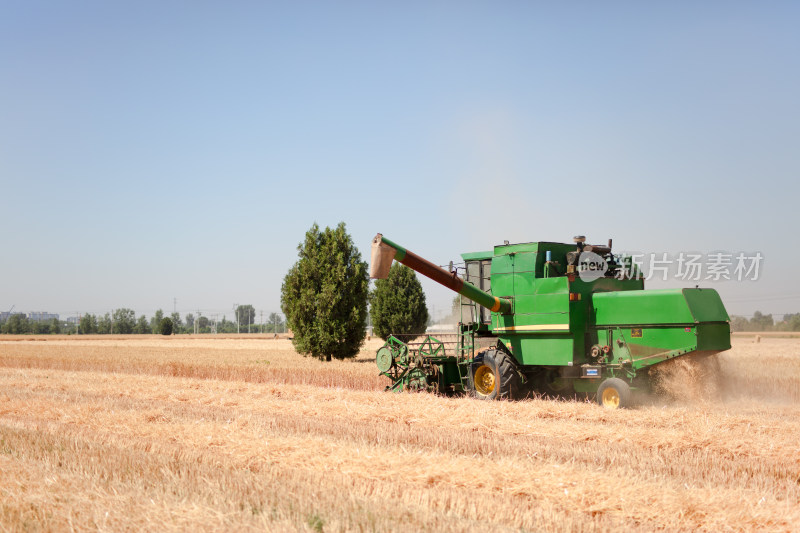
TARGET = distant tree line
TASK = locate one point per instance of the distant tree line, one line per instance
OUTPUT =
(762, 322)
(324, 296)
(123, 321)
(19, 324)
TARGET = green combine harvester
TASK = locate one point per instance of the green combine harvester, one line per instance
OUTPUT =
(549, 317)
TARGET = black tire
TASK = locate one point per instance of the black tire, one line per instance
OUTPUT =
(614, 393)
(494, 376)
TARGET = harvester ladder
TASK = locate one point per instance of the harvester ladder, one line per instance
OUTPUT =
(466, 349)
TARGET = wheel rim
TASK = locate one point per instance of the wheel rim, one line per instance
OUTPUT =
(384, 359)
(611, 398)
(484, 380)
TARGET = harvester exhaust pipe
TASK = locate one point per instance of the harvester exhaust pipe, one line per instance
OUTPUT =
(384, 251)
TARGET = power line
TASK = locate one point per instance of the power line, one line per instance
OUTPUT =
(770, 299)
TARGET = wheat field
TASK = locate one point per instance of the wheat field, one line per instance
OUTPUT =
(232, 434)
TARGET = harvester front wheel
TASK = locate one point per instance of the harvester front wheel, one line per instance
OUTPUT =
(494, 375)
(614, 393)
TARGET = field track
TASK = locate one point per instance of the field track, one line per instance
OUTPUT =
(239, 433)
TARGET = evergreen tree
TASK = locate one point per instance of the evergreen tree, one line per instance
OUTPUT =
(155, 322)
(142, 326)
(104, 324)
(124, 321)
(177, 323)
(397, 305)
(88, 324)
(324, 295)
(165, 327)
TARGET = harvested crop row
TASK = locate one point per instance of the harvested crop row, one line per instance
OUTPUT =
(109, 408)
(257, 361)
(94, 433)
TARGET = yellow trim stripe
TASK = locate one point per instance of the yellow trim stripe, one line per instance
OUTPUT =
(496, 306)
(537, 327)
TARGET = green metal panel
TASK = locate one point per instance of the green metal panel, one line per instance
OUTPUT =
(538, 333)
(656, 342)
(502, 264)
(667, 306)
(528, 258)
(477, 256)
(714, 337)
(549, 349)
(553, 286)
(505, 249)
(705, 305)
(522, 283)
(650, 345)
(606, 285)
(525, 262)
(528, 322)
(503, 276)
(538, 304)
(541, 302)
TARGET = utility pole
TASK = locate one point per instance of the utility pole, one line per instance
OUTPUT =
(236, 312)
(261, 321)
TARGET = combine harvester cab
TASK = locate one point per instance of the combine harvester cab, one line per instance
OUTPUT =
(550, 317)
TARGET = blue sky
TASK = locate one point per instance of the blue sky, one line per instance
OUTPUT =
(159, 150)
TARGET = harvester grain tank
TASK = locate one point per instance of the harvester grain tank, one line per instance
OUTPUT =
(551, 317)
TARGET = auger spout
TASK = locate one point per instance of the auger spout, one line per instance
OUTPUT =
(385, 251)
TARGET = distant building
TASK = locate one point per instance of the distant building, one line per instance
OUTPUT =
(37, 316)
